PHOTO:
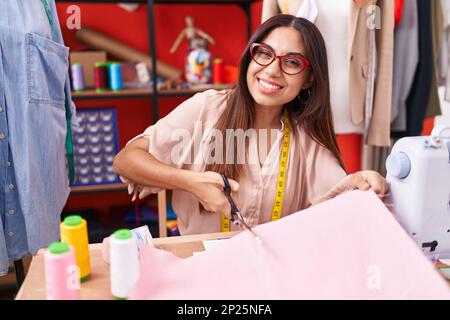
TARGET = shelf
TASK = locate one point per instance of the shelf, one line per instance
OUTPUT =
(99, 188)
(143, 93)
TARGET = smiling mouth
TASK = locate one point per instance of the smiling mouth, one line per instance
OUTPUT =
(268, 85)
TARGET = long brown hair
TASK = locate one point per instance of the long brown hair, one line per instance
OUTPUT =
(311, 109)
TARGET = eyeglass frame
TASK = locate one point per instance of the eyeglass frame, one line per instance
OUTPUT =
(275, 56)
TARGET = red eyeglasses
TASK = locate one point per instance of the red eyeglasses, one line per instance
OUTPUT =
(293, 63)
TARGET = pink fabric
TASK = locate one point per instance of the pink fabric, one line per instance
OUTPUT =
(350, 247)
(312, 170)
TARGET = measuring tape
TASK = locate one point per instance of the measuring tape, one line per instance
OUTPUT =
(281, 183)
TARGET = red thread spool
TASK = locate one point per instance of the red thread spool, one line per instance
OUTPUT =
(218, 72)
(100, 76)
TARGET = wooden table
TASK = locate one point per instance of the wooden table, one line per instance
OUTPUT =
(98, 286)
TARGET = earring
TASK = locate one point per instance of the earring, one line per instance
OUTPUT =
(305, 98)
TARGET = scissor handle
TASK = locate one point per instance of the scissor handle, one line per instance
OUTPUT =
(226, 183)
(227, 189)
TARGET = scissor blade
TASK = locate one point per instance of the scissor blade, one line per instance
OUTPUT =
(246, 226)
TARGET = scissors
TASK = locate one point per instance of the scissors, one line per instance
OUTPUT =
(236, 216)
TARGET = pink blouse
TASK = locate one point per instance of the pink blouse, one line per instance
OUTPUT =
(312, 169)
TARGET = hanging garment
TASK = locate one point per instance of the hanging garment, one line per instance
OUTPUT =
(374, 158)
(434, 105)
(362, 14)
(332, 21)
(370, 93)
(444, 59)
(271, 8)
(33, 176)
(308, 10)
(417, 100)
(300, 8)
(406, 58)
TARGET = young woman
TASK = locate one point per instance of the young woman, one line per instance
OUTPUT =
(272, 135)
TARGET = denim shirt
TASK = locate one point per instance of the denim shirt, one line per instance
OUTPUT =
(34, 182)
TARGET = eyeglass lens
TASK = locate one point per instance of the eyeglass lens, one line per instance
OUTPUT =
(264, 56)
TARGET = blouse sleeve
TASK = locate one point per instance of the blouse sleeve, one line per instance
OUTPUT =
(178, 127)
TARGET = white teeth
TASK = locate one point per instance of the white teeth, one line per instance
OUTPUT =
(268, 85)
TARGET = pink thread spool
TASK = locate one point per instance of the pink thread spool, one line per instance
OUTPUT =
(62, 275)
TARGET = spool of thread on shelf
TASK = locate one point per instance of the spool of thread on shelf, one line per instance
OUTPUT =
(115, 76)
(124, 263)
(100, 76)
(218, 72)
(77, 77)
(142, 72)
(62, 275)
(74, 232)
(108, 76)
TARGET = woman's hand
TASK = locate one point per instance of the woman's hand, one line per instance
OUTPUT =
(208, 188)
(362, 180)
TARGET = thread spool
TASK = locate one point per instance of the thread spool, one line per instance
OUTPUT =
(115, 76)
(218, 72)
(108, 77)
(142, 72)
(62, 275)
(124, 263)
(77, 72)
(74, 232)
(100, 76)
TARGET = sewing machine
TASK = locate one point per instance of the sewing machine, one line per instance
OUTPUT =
(418, 173)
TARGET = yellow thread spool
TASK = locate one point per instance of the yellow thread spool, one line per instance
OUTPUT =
(74, 232)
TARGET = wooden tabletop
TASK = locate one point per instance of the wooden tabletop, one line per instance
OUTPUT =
(98, 286)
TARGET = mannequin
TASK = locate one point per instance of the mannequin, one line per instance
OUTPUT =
(190, 32)
(198, 59)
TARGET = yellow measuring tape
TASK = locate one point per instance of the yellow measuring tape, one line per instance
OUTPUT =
(279, 195)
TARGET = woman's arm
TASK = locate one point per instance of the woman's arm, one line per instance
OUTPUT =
(136, 164)
(362, 180)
